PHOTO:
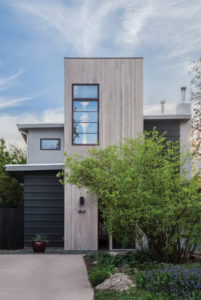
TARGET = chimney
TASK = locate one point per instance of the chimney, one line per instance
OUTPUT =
(183, 94)
(182, 107)
(162, 106)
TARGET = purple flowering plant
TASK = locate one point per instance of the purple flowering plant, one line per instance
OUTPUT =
(177, 280)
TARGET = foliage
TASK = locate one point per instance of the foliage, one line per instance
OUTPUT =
(142, 295)
(11, 191)
(132, 258)
(97, 274)
(105, 266)
(142, 191)
(174, 280)
(96, 256)
(196, 97)
(159, 281)
(130, 295)
(114, 295)
(137, 260)
(40, 237)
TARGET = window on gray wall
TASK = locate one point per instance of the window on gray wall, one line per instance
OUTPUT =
(85, 104)
(50, 144)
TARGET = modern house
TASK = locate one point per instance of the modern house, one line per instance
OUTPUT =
(103, 103)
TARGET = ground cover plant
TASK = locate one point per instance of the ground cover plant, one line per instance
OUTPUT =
(154, 280)
(184, 280)
(130, 295)
(142, 189)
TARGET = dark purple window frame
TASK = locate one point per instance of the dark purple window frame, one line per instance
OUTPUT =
(50, 139)
(88, 99)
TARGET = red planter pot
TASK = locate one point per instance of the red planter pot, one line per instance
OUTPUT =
(39, 246)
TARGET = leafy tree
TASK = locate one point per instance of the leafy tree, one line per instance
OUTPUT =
(11, 191)
(196, 97)
(140, 190)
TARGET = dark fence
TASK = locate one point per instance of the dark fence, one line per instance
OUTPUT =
(11, 228)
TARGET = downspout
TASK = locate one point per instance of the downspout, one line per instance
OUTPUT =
(27, 139)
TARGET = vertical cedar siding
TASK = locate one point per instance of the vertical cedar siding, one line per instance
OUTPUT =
(120, 83)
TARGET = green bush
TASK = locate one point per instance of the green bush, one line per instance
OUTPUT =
(97, 275)
(135, 259)
(97, 256)
(142, 191)
(11, 191)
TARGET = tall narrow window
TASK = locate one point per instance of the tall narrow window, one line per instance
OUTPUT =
(85, 114)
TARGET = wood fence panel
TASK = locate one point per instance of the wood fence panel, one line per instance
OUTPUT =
(11, 228)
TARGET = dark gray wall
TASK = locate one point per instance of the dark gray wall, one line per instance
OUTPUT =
(43, 207)
(171, 126)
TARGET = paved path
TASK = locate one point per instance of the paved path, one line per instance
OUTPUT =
(44, 277)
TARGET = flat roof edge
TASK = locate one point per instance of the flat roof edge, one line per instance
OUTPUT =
(103, 57)
(40, 125)
(33, 167)
(167, 117)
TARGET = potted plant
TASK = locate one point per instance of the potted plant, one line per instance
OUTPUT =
(39, 242)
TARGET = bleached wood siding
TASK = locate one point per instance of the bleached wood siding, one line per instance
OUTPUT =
(120, 116)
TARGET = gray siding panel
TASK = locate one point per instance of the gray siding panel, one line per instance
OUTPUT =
(43, 207)
(172, 127)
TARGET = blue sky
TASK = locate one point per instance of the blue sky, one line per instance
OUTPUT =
(35, 36)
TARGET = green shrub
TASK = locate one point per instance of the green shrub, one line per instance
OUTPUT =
(135, 259)
(97, 256)
(142, 191)
(97, 275)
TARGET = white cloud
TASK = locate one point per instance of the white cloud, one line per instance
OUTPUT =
(80, 25)
(86, 24)
(174, 26)
(6, 82)
(53, 116)
(166, 33)
(6, 102)
(135, 17)
(8, 123)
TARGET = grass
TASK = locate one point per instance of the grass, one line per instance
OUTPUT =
(130, 295)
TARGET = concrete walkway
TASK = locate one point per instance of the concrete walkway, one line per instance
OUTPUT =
(44, 277)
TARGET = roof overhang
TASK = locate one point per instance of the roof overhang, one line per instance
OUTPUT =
(24, 128)
(167, 117)
(19, 170)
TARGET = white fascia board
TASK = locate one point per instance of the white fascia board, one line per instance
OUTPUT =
(167, 117)
(41, 125)
(33, 167)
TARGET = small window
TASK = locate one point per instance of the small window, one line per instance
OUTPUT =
(85, 91)
(85, 114)
(50, 144)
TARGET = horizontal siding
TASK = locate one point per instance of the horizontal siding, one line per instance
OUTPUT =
(43, 207)
(171, 127)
